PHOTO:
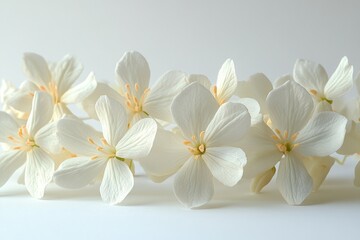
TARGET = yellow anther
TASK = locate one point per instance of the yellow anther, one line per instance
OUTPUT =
(127, 86)
(214, 90)
(313, 91)
(202, 134)
(11, 138)
(103, 141)
(286, 134)
(42, 88)
(186, 142)
(136, 87)
(294, 136)
(276, 138)
(90, 140)
(17, 148)
(193, 138)
(202, 148)
(99, 148)
(278, 132)
(281, 147)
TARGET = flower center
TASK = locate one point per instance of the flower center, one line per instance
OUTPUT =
(52, 90)
(284, 143)
(135, 99)
(23, 141)
(105, 149)
(196, 146)
(320, 97)
(214, 92)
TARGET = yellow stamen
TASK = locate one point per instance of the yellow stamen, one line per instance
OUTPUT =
(136, 87)
(202, 148)
(313, 92)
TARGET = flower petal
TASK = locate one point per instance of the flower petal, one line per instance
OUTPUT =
(10, 161)
(8, 127)
(310, 75)
(261, 151)
(36, 68)
(20, 101)
(322, 106)
(39, 171)
(193, 109)
(74, 136)
(41, 112)
(138, 140)
(78, 172)
(341, 81)
(293, 180)
(167, 155)
(101, 89)
(117, 182)
(225, 163)
(318, 168)
(357, 175)
(193, 184)
(261, 180)
(252, 106)
(229, 125)
(226, 81)
(282, 80)
(157, 104)
(66, 71)
(133, 68)
(290, 107)
(352, 140)
(323, 135)
(113, 119)
(257, 87)
(199, 78)
(48, 139)
(79, 92)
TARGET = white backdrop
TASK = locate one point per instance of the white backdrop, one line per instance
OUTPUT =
(196, 37)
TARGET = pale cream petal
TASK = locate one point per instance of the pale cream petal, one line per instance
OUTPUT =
(117, 182)
(293, 180)
(341, 81)
(193, 184)
(310, 75)
(66, 72)
(39, 171)
(138, 140)
(10, 161)
(41, 112)
(159, 100)
(36, 68)
(77, 137)
(323, 135)
(257, 87)
(133, 69)
(8, 127)
(290, 107)
(89, 102)
(78, 92)
(225, 163)
(113, 119)
(318, 168)
(261, 180)
(48, 139)
(226, 81)
(229, 125)
(79, 172)
(167, 155)
(193, 109)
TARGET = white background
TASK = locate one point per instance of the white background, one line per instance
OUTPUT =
(196, 37)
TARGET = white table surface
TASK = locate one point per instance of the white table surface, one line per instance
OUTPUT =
(152, 212)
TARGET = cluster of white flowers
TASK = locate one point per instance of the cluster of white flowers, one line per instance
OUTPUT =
(181, 126)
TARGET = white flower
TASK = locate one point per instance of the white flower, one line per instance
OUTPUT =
(205, 148)
(30, 145)
(324, 90)
(132, 90)
(257, 87)
(58, 80)
(291, 134)
(107, 155)
(224, 90)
